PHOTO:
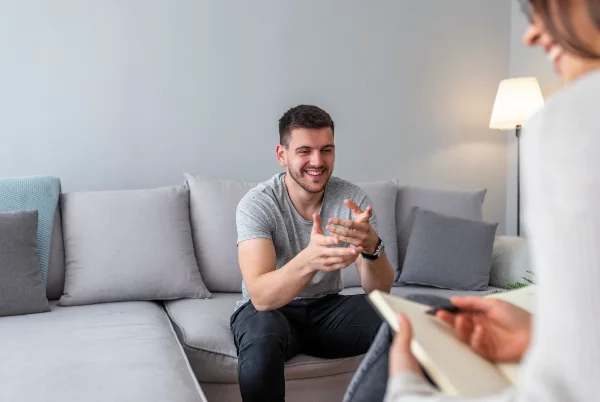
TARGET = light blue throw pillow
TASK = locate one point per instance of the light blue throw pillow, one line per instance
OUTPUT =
(35, 193)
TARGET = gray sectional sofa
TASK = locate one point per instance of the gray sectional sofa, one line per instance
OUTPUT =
(127, 345)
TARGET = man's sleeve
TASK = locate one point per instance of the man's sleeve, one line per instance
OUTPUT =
(253, 219)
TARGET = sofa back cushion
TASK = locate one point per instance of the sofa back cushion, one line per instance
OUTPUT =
(129, 245)
(56, 265)
(212, 212)
(213, 205)
(383, 195)
(458, 203)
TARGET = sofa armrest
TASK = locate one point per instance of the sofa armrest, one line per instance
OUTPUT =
(510, 261)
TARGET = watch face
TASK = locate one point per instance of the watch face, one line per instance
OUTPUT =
(379, 250)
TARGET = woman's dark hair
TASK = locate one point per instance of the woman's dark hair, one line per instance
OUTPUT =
(567, 37)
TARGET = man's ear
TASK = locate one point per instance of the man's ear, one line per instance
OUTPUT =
(281, 155)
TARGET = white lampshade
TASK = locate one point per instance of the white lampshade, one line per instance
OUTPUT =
(516, 101)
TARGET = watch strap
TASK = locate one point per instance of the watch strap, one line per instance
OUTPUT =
(377, 254)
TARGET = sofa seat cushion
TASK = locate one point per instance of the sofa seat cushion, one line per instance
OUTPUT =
(105, 352)
(203, 326)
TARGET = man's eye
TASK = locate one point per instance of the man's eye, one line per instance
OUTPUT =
(328, 150)
(303, 152)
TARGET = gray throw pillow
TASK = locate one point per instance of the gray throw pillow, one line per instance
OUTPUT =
(460, 203)
(449, 252)
(129, 245)
(21, 288)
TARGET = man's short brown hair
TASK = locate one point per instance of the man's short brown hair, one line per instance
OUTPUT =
(302, 116)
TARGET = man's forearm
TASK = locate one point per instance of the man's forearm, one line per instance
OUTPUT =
(277, 288)
(375, 275)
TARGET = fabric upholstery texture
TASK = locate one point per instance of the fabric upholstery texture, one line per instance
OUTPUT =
(215, 234)
(104, 352)
(449, 252)
(38, 193)
(203, 326)
(213, 206)
(56, 266)
(460, 203)
(21, 288)
(129, 245)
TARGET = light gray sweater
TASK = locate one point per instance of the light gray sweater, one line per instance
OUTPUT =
(561, 171)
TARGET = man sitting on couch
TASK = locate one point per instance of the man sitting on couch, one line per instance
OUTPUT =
(291, 263)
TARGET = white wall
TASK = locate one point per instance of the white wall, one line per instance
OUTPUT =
(524, 62)
(120, 94)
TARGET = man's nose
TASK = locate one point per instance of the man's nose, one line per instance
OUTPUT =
(316, 159)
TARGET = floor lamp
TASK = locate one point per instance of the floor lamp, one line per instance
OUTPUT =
(517, 100)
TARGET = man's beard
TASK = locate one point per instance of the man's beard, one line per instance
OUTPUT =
(297, 176)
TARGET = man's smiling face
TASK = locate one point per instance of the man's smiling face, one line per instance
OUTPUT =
(309, 157)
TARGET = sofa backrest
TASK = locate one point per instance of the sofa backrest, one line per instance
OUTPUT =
(212, 213)
(213, 205)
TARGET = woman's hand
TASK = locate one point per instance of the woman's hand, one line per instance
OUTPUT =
(497, 330)
(402, 359)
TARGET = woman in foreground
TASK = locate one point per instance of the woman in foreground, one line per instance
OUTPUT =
(559, 347)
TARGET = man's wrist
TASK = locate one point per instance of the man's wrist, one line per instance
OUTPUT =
(376, 253)
(372, 245)
(306, 267)
(370, 250)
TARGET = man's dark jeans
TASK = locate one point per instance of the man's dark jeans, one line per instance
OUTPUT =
(333, 326)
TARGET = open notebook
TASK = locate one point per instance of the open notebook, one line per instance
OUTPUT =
(451, 364)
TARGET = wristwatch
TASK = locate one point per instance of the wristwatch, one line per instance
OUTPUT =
(378, 252)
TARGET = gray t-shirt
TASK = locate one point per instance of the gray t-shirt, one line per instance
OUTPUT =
(267, 212)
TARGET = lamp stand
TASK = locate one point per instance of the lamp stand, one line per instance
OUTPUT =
(518, 134)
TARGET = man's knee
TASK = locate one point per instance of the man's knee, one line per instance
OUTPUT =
(262, 338)
(265, 329)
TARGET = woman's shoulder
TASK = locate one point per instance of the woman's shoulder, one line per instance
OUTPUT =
(570, 115)
(563, 139)
(581, 98)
